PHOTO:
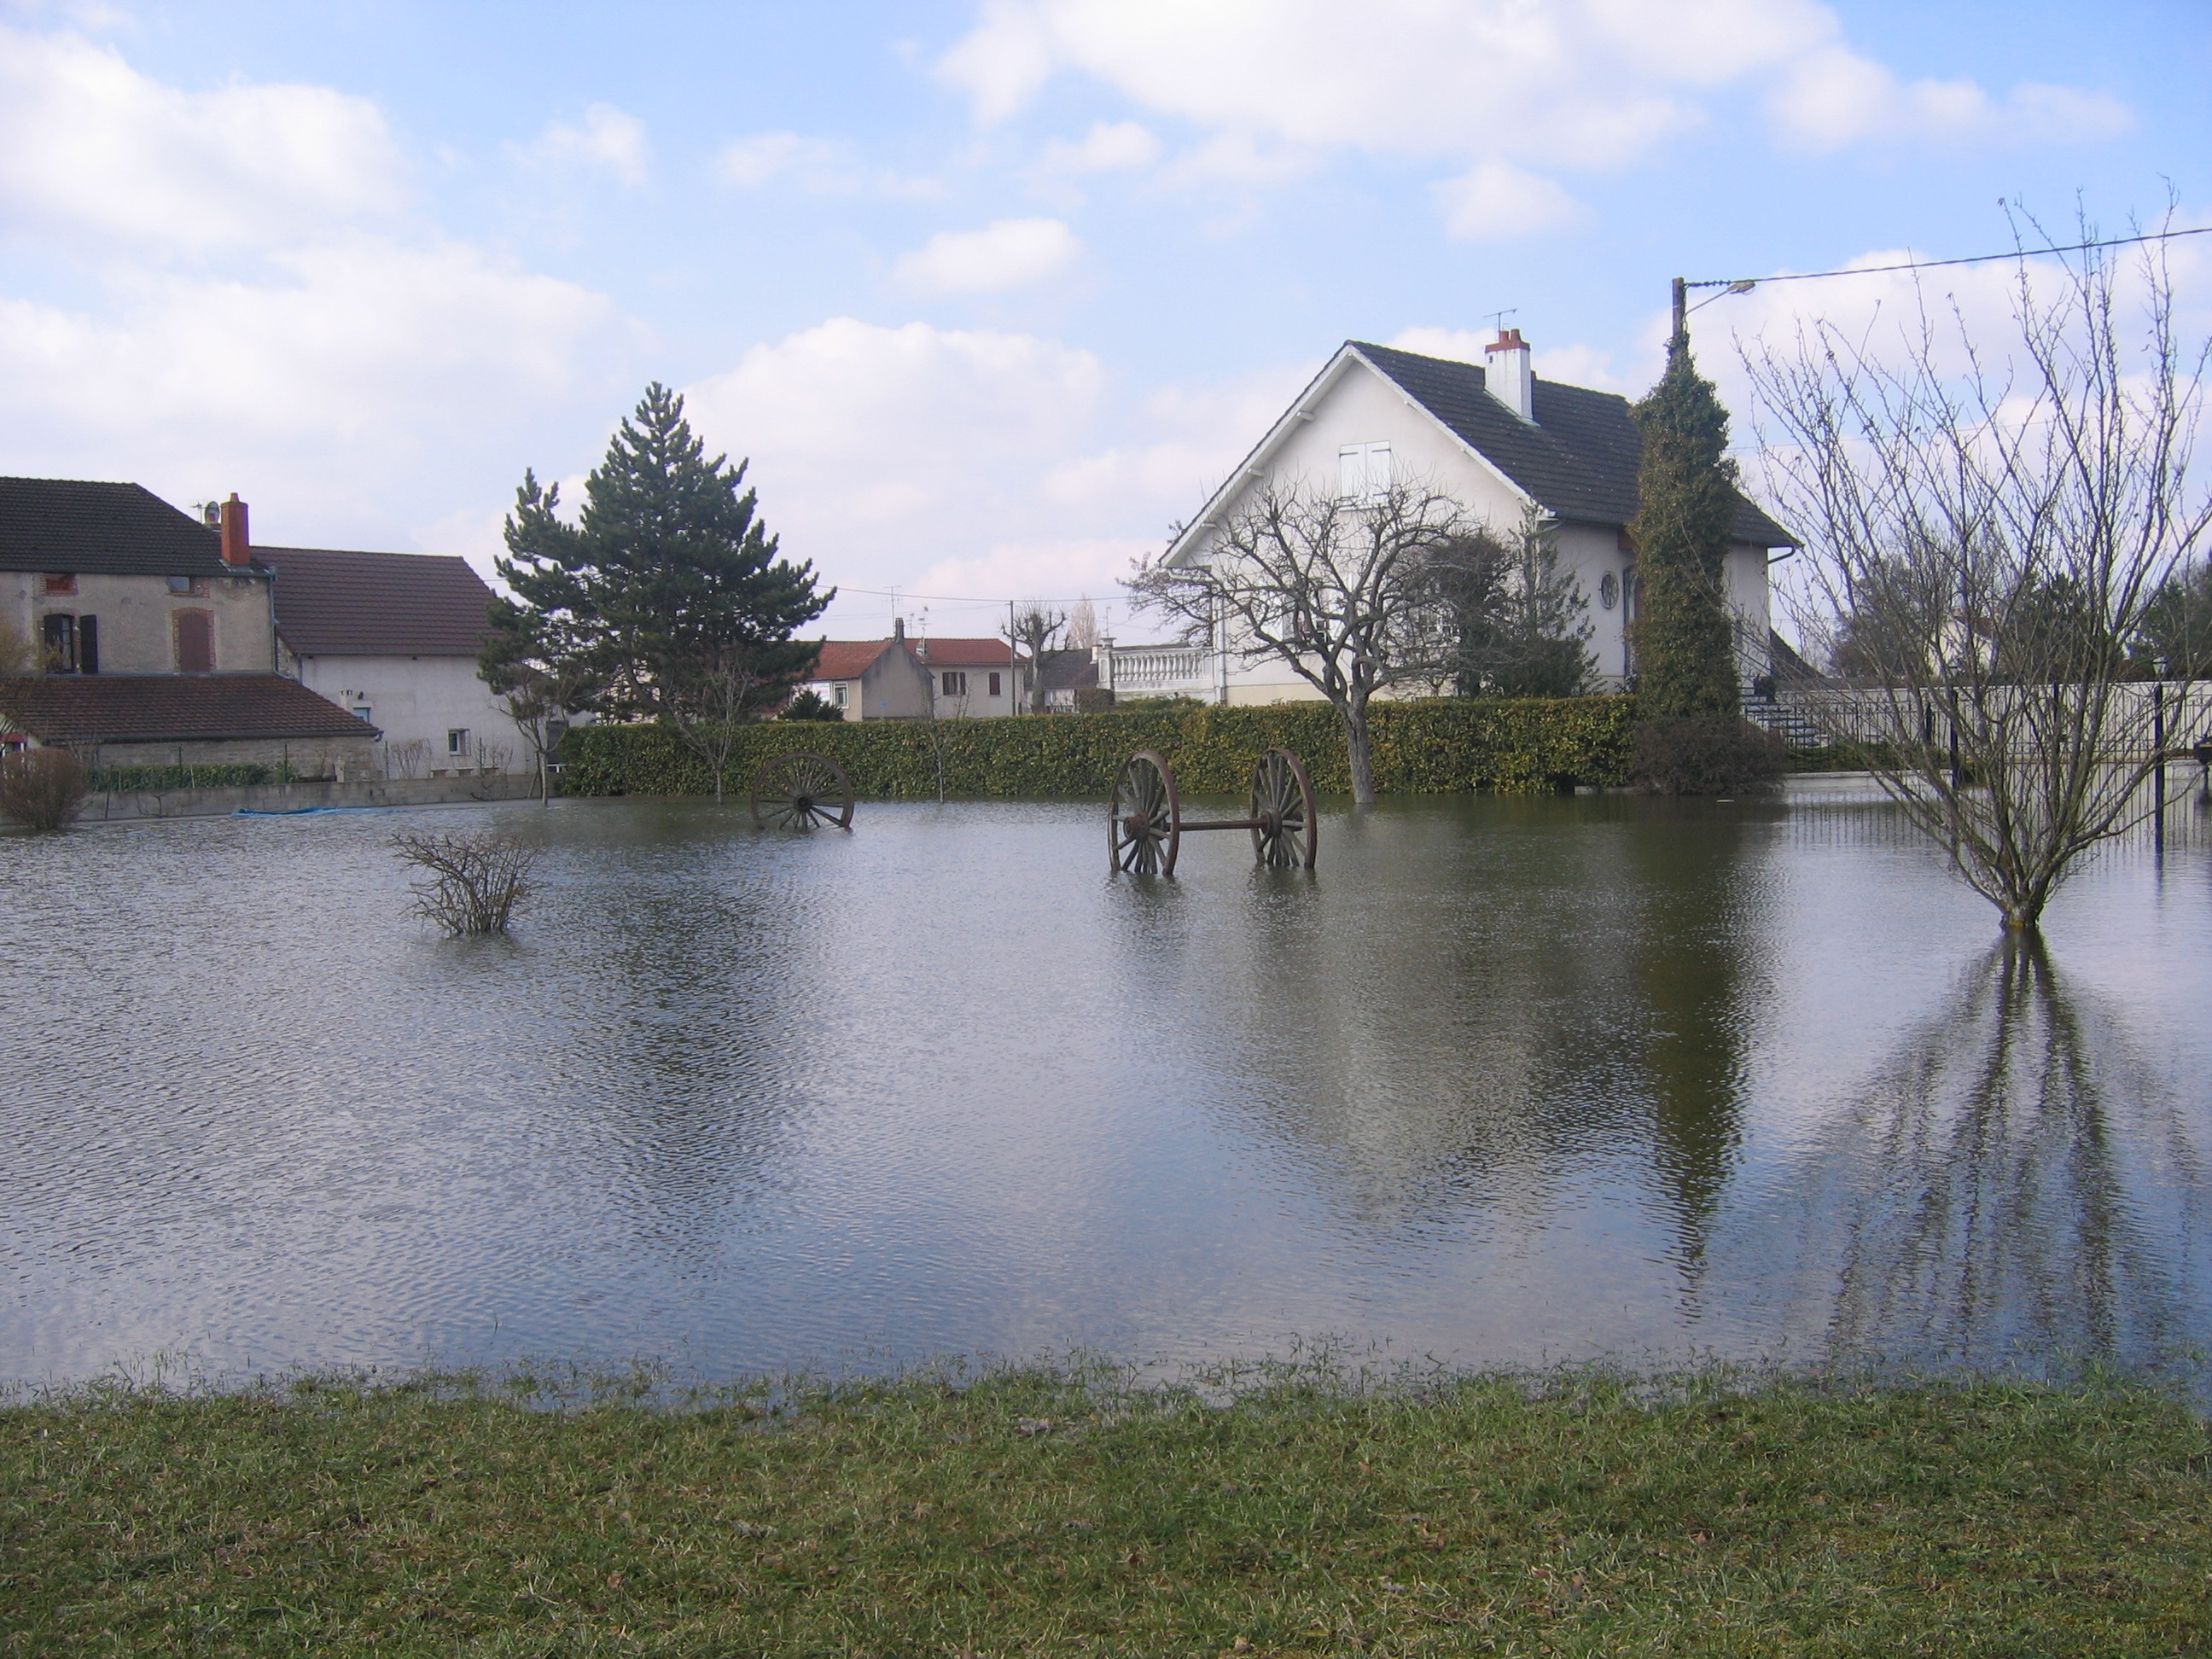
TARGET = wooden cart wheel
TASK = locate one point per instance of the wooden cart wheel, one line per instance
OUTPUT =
(1143, 821)
(1282, 809)
(801, 789)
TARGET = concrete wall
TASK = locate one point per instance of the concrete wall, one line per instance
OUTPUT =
(124, 806)
(310, 758)
(415, 701)
(137, 627)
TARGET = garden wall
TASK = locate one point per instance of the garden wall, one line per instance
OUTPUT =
(1432, 746)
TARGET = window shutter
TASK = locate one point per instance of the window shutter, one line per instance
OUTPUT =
(1378, 472)
(1351, 472)
(87, 645)
(195, 642)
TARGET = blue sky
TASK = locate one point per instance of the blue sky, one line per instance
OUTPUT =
(990, 293)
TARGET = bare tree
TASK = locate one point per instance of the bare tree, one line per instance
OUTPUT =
(474, 879)
(1032, 628)
(20, 659)
(1083, 631)
(1343, 592)
(1984, 542)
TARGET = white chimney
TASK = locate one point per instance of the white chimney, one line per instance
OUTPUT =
(1506, 371)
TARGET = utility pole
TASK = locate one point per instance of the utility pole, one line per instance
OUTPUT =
(1681, 309)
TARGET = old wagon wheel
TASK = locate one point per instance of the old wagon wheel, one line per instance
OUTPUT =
(1143, 821)
(801, 789)
(1282, 811)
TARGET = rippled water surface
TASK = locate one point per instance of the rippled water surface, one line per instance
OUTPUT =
(1507, 1081)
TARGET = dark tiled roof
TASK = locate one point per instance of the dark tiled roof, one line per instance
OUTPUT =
(100, 530)
(332, 603)
(1579, 460)
(81, 708)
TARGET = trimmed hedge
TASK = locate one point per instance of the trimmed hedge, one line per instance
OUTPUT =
(228, 774)
(1432, 746)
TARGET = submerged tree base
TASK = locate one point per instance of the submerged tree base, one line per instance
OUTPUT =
(1043, 1511)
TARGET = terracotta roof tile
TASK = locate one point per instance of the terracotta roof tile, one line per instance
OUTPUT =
(848, 660)
(962, 653)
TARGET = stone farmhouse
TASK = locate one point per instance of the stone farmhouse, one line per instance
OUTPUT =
(1501, 442)
(157, 632)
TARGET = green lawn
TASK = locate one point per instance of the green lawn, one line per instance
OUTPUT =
(1028, 1514)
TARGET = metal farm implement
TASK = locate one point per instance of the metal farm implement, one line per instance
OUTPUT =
(1144, 824)
(801, 789)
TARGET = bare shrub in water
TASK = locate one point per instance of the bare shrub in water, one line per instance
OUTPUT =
(41, 789)
(474, 881)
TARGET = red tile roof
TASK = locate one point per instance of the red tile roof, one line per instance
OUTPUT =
(848, 660)
(81, 708)
(336, 604)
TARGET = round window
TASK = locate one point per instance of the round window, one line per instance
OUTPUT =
(1608, 590)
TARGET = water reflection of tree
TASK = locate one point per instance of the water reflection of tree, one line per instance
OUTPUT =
(2012, 1187)
(1692, 974)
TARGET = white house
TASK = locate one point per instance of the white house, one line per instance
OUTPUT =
(392, 638)
(1499, 441)
(903, 680)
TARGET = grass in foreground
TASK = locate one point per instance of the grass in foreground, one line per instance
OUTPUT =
(1028, 1514)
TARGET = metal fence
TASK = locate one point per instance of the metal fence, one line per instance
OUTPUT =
(1809, 716)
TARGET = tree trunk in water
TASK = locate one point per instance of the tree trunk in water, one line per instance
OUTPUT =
(1358, 752)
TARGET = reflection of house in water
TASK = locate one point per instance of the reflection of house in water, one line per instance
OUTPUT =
(1518, 1008)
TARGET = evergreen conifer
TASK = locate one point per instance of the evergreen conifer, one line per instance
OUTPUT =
(1685, 656)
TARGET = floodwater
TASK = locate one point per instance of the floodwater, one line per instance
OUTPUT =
(1504, 1082)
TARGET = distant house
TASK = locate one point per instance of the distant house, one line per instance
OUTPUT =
(901, 678)
(157, 636)
(1501, 442)
(392, 638)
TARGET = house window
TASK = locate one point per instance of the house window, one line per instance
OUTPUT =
(188, 585)
(994, 685)
(360, 712)
(1362, 473)
(956, 684)
(1608, 590)
(58, 635)
(457, 740)
(195, 634)
(60, 583)
(838, 694)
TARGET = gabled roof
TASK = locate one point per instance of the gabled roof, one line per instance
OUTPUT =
(335, 604)
(962, 653)
(1579, 459)
(68, 524)
(848, 660)
(82, 708)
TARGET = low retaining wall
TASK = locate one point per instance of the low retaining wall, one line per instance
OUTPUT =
(120, 805)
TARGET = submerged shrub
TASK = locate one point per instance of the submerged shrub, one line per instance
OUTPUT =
(1705, 757)
(41, 789)
(473, 881)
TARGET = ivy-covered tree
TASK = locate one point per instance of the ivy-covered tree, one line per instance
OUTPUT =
(666, 600)
(1684, 649)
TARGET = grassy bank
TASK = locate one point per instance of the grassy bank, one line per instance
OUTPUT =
(1024, 1515)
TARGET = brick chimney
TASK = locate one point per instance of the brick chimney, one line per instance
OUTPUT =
(237, 547)
(1506, 371)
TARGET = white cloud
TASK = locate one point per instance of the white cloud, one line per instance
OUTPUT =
(821, 166)
(608, 141)
(1497, 199)
(1834, 97)
(1487, 83)
(1569, 365)
(1108, 147)
(1007, 254)
(1233, 158)
(88, 145)
(968, 461)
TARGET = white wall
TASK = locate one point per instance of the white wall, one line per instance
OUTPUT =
(420, 700)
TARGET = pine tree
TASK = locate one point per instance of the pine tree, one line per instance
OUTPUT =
(1685, 654)
(667, 598)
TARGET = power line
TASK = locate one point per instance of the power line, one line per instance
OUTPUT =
(1745, 284)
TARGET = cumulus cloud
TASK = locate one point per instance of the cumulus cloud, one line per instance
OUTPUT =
(1108, 147)
(89, 147)
(1009, 253)
(968, 461)
(1491, 84)
(1497, 199)
(1834, 97)
(608, 141)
